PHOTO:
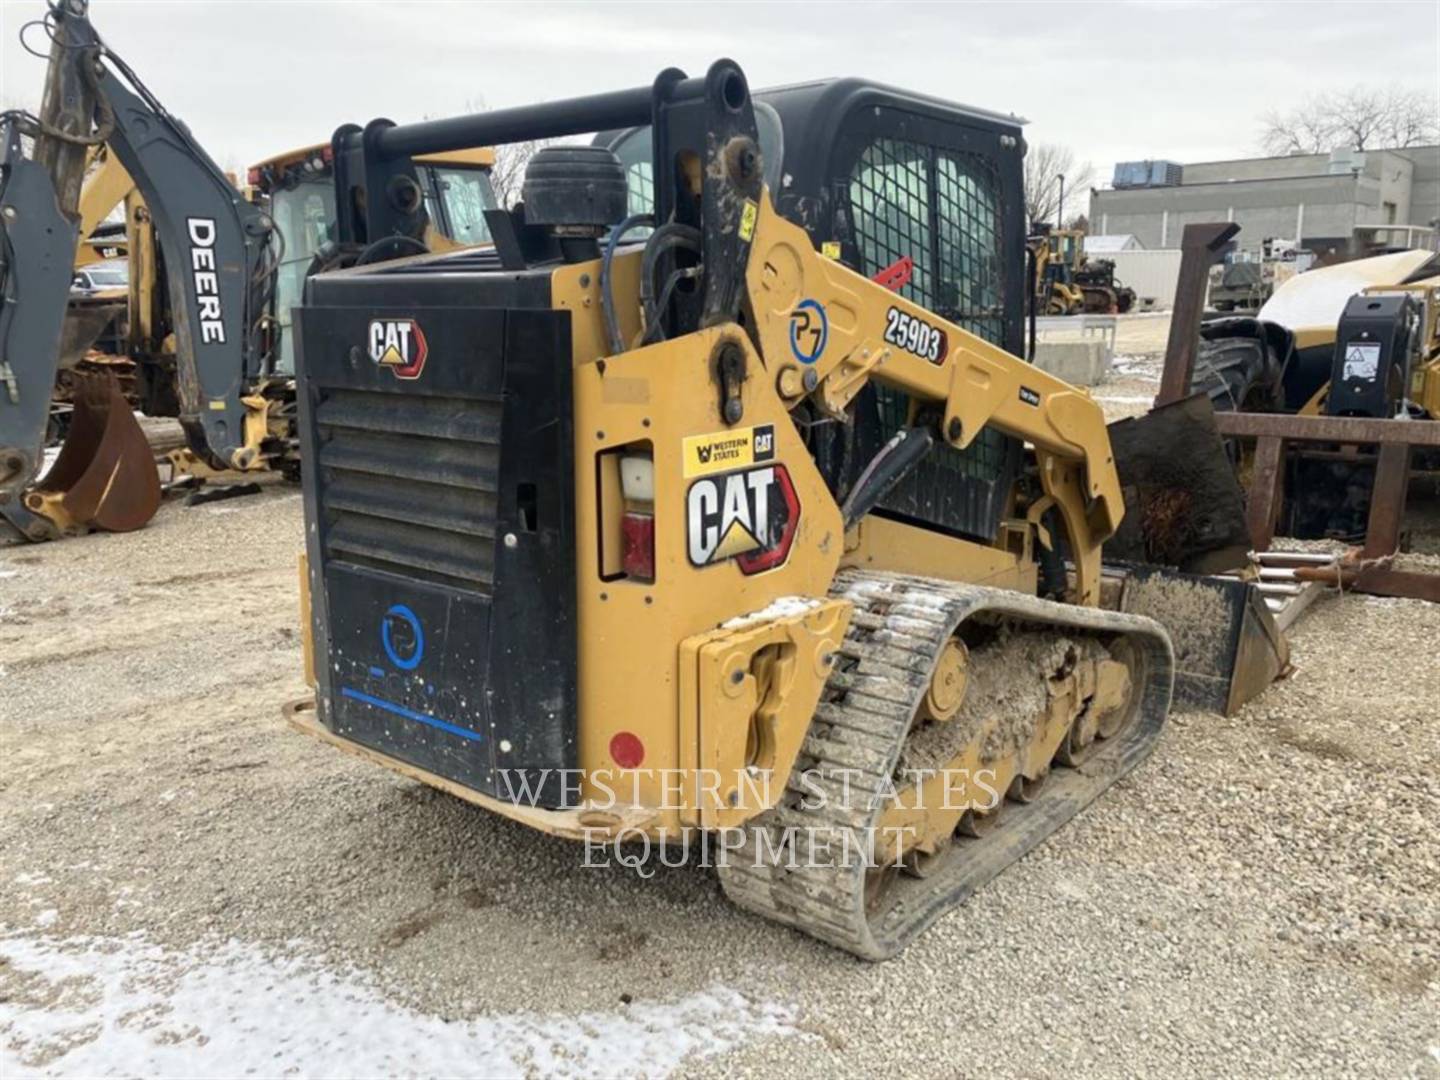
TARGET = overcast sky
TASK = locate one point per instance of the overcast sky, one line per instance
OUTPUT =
(1186, 81)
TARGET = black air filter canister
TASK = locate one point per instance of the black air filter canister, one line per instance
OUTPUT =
(577, 192)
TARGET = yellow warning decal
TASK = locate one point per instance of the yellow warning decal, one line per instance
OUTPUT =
(721, 451)
(748, 217)
(830, 249)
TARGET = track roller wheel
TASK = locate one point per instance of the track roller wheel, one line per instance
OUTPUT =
(1025, 789)
(975, 824)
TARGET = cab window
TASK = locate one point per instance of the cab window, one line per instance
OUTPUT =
(466, 194)
(635, 151)
(942, 209)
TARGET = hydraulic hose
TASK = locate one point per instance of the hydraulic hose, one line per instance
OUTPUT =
(667, 238)
(607, 291)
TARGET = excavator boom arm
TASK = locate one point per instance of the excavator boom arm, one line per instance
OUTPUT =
(216, 246)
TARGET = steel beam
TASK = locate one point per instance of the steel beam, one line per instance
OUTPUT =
(1339, 429)
(1262, 504)
(1387, 500)
(1202, 246)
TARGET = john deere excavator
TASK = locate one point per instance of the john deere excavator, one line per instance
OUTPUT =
(219, 247)
(661, 517)
(210, 286)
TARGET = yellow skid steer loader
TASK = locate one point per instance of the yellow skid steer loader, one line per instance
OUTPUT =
(660, 518)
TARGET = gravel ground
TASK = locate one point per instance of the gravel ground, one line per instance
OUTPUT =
(1264, 893)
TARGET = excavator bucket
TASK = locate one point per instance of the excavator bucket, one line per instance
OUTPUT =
(1228, 648)
(105, 476)
(1185, 509)
(85, 320)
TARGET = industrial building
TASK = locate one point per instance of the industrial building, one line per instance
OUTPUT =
(1321, 199)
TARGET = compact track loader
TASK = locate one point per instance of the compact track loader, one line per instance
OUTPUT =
(660, 517)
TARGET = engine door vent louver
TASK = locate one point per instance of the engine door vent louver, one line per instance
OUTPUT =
(412, 489)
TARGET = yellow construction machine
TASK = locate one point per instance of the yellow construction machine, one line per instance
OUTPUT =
(1356, 339)
(661, 518)
(1068, 282)
(209, 288)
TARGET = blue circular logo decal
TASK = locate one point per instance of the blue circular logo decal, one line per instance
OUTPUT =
(809, 330)
(409, 628)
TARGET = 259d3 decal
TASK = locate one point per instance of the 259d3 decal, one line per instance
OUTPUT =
(748, 516)
(915, 335)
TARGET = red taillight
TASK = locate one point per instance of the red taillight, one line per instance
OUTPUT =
(637, 525)
(637, 547)
(627, 750)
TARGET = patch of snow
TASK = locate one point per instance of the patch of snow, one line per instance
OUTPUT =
(46, 918)
(33, 879)
(781, 608)
(1126, 399)
(126, 1007)
(1137, 366)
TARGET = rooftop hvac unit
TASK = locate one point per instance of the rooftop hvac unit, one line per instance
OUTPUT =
(1346, 161)
(1143, 174)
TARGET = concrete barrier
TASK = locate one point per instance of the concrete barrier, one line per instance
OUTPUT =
(1080, 363)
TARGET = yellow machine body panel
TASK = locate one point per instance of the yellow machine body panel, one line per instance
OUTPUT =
(662, 397)
(479, 155)
(106, 186)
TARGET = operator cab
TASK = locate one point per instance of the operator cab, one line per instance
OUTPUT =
(877, 174)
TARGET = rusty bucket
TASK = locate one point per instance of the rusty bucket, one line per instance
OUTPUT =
(105, 475)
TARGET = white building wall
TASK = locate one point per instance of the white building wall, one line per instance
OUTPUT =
(1152, 274)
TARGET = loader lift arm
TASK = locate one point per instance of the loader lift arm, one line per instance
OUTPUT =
(971, 383)
(217, 246)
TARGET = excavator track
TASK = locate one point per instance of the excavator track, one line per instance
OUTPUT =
(871, 712)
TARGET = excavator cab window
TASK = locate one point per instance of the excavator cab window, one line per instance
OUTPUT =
(304, 213)
(457, 199)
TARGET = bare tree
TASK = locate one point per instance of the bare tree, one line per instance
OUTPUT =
(1045, 164)
(507, 175)
(1411, 119)
(1360, 118)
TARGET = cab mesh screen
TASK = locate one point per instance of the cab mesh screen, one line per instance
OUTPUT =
(942, 208)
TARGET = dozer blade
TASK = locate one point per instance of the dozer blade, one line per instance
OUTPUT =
(105, 476)
(1228, 648)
